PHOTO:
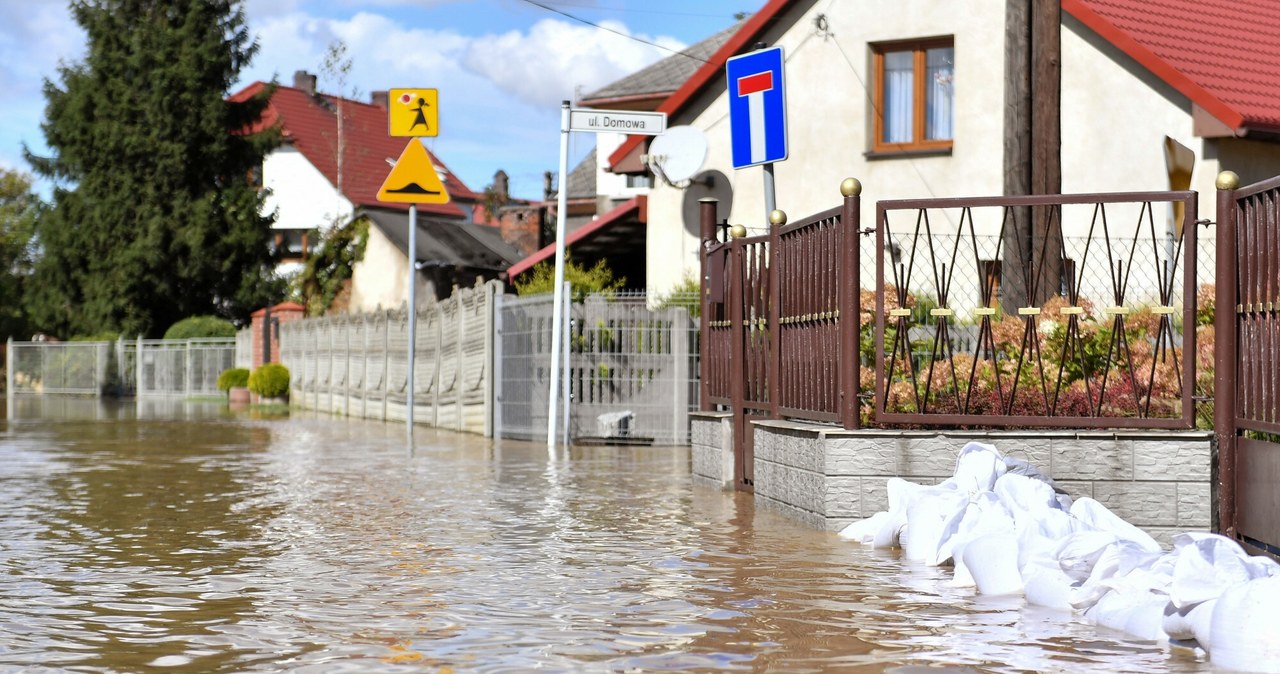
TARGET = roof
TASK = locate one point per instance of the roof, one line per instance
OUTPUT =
(1223, 57)
(599, 232)
(706, 73)
(309, 123)
(448, 242)
(663, 77)
(582, 179)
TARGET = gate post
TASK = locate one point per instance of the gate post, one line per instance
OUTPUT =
(1225, 326)
(736, 297)
(849, 287)
(773, 312)
(707, 230)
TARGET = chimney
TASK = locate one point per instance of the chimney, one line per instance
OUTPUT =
(379, 98)
(547, 192)
(305, 81)
(501, 185)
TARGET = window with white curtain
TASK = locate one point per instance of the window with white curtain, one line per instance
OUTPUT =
(914, 95)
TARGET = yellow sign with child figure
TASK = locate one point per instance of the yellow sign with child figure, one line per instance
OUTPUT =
(413, 112)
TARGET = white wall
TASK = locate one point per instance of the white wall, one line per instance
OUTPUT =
(301, 196)
(608, 184)
(827, 81)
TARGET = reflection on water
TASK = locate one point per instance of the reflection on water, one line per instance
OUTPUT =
(199, 540)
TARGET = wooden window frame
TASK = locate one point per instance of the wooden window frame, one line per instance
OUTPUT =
(919, 48)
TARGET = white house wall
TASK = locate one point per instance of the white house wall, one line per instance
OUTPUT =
(1115, 118)
(301, 196)
(827, 81)
(379, 280)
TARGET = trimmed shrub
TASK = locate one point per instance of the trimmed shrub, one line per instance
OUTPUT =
(200, 326)
(270, 381)
(235, 377)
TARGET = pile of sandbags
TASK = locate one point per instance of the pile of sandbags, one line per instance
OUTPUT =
(1007, 529)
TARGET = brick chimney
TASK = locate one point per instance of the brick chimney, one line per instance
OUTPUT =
(379, 98)
(305, 81)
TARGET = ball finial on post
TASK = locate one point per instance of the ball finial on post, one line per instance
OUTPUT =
(1227, 180)
(777, 218)
(738, 231)
(850, 187)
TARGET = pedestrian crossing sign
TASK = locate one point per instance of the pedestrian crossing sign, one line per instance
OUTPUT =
(413, 179)
(413, 112)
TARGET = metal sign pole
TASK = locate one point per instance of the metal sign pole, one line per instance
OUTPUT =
(769, 201)
(567, 389)
(413, 312)
(557, 319)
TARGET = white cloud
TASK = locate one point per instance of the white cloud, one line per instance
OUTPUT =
(551, 61)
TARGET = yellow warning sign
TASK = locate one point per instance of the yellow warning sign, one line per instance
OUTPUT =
(413, 112)
(413, 180)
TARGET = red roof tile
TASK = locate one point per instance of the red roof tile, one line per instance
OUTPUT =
(311, 127)
(1224, 57)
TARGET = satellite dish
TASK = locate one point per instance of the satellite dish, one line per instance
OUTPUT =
(677, 154)
(712, 184)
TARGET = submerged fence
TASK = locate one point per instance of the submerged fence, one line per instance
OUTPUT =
(144, 367)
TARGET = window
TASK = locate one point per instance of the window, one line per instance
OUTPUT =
(913, 94)
(292, 244)
(639, 180)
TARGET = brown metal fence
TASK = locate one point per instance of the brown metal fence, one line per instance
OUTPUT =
(1081, 331)
(1247, 362)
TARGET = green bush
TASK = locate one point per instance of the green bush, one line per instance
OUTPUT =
(270, 381)
(235, 377)
(200, 326)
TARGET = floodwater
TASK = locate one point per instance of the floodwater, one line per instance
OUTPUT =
(186, 538)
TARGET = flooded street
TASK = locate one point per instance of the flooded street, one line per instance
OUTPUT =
(197, 540)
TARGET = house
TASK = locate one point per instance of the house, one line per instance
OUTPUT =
(1155, 95)
(311, 190)
(606, 210)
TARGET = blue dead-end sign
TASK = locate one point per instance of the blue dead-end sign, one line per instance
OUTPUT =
(757, 108)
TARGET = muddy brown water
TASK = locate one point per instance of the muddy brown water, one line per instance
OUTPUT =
(182, 537)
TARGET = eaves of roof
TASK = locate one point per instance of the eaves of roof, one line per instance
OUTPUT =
(635, 206)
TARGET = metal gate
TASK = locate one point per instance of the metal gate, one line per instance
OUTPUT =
(1247, 361)
(630, 369)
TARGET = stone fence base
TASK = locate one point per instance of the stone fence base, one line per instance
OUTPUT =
(828, 477)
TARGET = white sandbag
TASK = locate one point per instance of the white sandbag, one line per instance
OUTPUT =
(1138, 613)
(1245, 627)
(931, 517)
(890, 531)
(1096, 515)
(992, 560)
(901, 492)
(864, 531)
(1047, 586)
(977, 467)
(1078, 552)
(1205, 565)
(1025, 497)
(1040, 539)
(1190, 623)
(984, 514)
(1115, 562)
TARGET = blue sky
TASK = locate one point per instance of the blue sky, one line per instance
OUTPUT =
(502, 66)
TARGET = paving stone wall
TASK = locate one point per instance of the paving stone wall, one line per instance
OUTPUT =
(711, 445)
(827, 477)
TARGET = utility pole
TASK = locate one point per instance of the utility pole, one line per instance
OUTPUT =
(1032, 149)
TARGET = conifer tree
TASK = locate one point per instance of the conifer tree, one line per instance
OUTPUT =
(19, 209)
(154, 216)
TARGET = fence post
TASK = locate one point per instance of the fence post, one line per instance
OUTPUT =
(386, 360)
(8, 378)
(850, 302)
(679, 340)
(138, 367)
(735, 296)
(461, 354)
(707, 230)
(1225, 326)
(493, 359)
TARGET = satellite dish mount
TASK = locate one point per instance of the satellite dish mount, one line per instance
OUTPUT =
(677, 155)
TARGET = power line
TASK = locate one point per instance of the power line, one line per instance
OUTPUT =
(615, 32)
(636, 11)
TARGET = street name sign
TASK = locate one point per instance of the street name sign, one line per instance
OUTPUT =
(413, 112)
(617, 121)
(413, 179)
(757, 108)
